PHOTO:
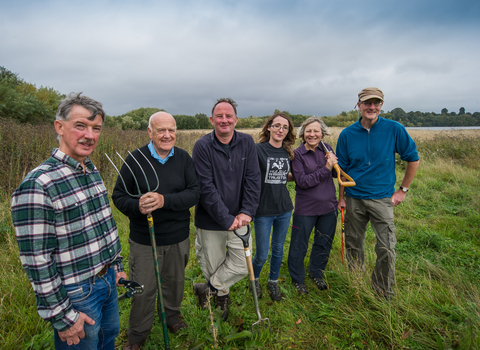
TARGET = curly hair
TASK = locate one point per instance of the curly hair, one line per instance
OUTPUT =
(288, 141)
(310, 120)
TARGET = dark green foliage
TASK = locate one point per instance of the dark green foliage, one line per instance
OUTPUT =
(22, 101)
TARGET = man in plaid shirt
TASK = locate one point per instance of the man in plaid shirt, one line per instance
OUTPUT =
(66, 234)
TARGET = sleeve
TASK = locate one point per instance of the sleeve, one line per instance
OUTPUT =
(406, 147)
(210, 199)
(341, 152)
(33, 217)
(190, 195)
(304, 180)
(252, 181)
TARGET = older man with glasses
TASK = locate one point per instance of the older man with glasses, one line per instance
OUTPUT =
(366, 151)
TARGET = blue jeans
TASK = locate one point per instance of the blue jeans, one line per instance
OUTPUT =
(263, 227)
(322, 244)
(97, 298)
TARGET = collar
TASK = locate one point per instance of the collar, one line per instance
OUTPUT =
(69, 161)
(155, 155)
(303, 150)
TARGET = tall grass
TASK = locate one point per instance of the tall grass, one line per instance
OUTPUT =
(437, 296)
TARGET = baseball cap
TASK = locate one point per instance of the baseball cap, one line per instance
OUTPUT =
(370, 92)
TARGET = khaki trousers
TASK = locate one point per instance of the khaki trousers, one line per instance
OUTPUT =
(172, 260)
(380, 214)
(221, 257)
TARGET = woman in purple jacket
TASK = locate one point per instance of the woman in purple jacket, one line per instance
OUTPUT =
(315, 205)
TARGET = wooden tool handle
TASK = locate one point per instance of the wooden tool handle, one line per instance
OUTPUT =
(248, 257)
(349, 183)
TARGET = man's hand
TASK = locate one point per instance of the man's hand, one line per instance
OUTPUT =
(150, 201)
(74, 334)
(119, 275)
(341, 204)
(398, 197)
(243, 219)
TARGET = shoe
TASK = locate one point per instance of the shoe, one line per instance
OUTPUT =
(319, 282)
(130, 346)
(223, 302)
(274, 291)
(177, 326)
(203, 293)
(257, 288)
(301, 288)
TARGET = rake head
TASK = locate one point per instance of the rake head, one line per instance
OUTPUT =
(139, 193)
(261, 325)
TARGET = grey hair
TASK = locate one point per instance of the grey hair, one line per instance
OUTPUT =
(323, 127)
(74, 98)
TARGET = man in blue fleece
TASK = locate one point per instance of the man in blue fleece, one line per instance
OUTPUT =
(366, 151)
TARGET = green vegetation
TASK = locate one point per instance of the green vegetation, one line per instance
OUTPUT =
(438, 255)
(22, 101)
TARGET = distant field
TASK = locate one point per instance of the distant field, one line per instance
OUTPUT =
(415, 134)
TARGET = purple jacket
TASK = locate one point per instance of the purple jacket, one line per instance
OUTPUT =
(315, 190)
(229, 186)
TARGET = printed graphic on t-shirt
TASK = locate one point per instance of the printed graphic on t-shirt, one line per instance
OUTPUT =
(277, 170)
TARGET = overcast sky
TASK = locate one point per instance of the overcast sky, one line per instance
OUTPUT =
(305, 56)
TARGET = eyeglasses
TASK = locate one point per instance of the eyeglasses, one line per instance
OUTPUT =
(375, 103)
(279, 126)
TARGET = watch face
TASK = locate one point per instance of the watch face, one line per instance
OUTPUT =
(404, 189)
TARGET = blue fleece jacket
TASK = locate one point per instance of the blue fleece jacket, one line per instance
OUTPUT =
(368, 156)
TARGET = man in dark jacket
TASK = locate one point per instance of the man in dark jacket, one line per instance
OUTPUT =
(177, 192)
(227, 168)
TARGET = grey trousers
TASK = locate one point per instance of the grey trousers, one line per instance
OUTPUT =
(221, 257)
(380, 214)
(172, 260)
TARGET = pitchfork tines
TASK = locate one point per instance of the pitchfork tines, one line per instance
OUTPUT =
(139, 194)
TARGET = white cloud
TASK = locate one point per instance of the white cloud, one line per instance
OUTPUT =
(306, 57)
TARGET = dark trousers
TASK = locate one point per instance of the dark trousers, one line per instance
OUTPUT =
(322, 244)
(172, 260)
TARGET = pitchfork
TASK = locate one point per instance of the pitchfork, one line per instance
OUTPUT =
(262, 322)
(151, 229)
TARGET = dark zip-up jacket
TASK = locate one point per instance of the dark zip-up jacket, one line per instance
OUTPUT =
(230, 184)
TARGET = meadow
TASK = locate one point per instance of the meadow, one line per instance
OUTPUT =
(437, 291)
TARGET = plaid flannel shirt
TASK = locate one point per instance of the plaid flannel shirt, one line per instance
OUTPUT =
(65, 232)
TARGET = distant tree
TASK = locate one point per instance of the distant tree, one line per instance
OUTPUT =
(461, 111)
(24, 102)
(203, 122)
(444, 111)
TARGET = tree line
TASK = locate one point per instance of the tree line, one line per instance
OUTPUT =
(26, 103)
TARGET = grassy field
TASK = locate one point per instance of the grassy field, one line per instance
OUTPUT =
(438, 253)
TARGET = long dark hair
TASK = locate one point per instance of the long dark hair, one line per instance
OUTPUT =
(288, 141)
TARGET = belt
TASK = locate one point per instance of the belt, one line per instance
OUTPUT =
(104, 270)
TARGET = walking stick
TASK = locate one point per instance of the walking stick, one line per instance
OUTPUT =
(152, 234)
(350, 182)
(343, 232)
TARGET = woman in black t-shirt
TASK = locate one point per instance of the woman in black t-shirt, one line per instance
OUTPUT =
(275, 154)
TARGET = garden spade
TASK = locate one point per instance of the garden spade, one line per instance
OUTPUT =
(262, 322)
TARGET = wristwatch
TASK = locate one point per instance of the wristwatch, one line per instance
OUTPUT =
(404, 189)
